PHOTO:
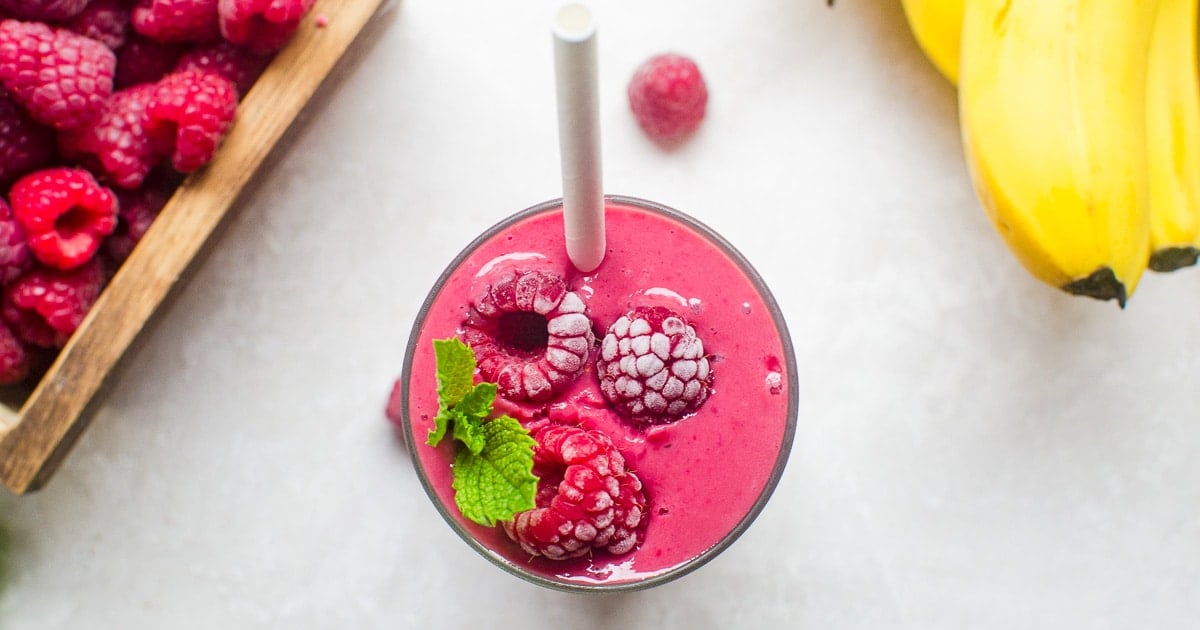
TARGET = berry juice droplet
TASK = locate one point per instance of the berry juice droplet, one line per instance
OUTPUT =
(745, 308)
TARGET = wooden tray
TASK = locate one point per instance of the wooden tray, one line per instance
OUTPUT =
(38, 429)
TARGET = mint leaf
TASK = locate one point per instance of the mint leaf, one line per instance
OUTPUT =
(455, 370)
(470, 414)
(455, 378)
(496, 483)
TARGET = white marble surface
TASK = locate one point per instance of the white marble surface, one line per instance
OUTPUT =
(974, 449)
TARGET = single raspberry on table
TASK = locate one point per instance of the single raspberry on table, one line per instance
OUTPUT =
(65, 214)
(530, 334)
(668, 96)
(262, 25)
(143, 60)
(177, 20)
(587, 499)
(106, 21)
(188, 116)
(116, 146)
(15, 258)
(61, 78)
(25, 145)
(652, 366)
(238, 64)
(43, 10)
(45, 306)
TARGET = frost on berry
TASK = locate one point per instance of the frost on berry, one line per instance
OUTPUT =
(652, 366)
(668, 97)
(587, 499)
(530, 334)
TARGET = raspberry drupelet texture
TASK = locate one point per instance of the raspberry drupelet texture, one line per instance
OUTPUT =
(60, 77)
(65, 214)
(261, 25)
(137, 209)
(177, 20)
(530, 334)
(240, 65)
(15, 258)
(116, 147)
(668, 96)
(143, 60)
(188, 116)
(45, 306)
(106, 21)
(652, 366)
(587, 499)
(24, 144)
(43, 10)
(14, 360)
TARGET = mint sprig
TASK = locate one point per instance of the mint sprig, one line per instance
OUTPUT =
(493, 468)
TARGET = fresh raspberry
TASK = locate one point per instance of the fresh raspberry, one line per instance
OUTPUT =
(106, 21)
(240, 65)
(189, 114)
(116, 146)
(14, 360)
(530, 334)
(586, 500)
(177, 20)
(43, 10)
(652, 366)
(61, 78)
(14, 252)
(137, 210)
(65, 214)
(24, 144)
(262, 25)
(668, 96)
(143, 60)
(45, 306)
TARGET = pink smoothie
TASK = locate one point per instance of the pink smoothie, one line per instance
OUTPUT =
(707, 475)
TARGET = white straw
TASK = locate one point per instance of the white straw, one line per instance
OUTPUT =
(579, 134)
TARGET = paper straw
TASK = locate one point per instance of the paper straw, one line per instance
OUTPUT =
(579, 134)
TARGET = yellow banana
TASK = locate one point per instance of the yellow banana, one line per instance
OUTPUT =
(936, 25)
(1173, 136)
(1052, 108)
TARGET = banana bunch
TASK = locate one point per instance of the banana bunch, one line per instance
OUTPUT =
(1080, 122)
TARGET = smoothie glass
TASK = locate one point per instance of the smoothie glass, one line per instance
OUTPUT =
(706, 476)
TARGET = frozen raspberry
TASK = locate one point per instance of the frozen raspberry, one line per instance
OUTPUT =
(189, 114)
(24, 144)
(65, 214)
(531, 336)
(262, 25)
(106, 21)
(143, 60)
(14, 252)
(45, 306)
(177, 20)
(14, 360)
(586, 500)
(116, 146)
(43, 10)
(61, 78)
(240, 65)
(137, 210)
(652, 366)
(668, 96)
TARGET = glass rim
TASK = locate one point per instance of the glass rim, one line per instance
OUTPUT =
(703, 557)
